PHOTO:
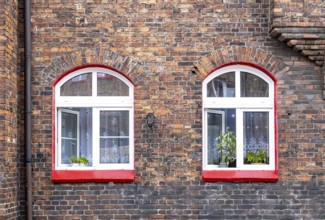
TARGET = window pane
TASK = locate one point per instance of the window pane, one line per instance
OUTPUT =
(86, 133)
(114, 150)
(215, 125)
(114, 136)
(68, 149)
(69, 125)
(68, 136)
(222, 86)
(114, 123)
(76, 123)
(80, 85)
(218, 129)
(108, 85)
(253, 86)
(256, 137)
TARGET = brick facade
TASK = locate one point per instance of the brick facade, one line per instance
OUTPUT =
(300, 25)
(8, 109)
(166, 48)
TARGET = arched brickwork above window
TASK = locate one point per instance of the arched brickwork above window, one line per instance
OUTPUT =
(90, 57)
(234, 54)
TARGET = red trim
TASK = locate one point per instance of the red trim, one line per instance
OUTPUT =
(77, 176)
(89, 66)
(245, 64)
(53, 129)
(275, 127)
(240, 176)
(74, 176)
(248, 175)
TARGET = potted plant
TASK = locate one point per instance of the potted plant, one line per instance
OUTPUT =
(227, 148)
(258, 156)
(79, 161)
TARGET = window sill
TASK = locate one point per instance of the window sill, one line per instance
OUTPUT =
(240, 176)
(79, 176)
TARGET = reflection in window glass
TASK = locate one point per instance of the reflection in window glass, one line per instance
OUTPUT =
(222, 86)
(108, 85)
(114, 137)
(69, 139)
(253, 86)
(215, 128)
(76, 133)
(219, 122)
(256, 135)
(80, 85)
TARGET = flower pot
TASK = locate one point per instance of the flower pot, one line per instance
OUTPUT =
(223, 164)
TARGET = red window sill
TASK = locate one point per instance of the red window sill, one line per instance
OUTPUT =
(78, 176)
(240, 176)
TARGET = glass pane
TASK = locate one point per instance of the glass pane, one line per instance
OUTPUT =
(253, 86)
(114, 137)
(76, 122)
(256, 137)
(114, 150)
(80, 85)
(108, 85)
(69, 125)
(85, 133)
(222, 137)
(215, 127)
(114, 123)
(222, 86)
(68, 136)
(68, 149)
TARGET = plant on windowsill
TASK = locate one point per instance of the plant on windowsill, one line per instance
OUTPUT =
(227, 148)
(258, 156)
(78, 161)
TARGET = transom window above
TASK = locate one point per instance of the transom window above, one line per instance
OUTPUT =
(94, 121)
(238, 120)
(250, 85)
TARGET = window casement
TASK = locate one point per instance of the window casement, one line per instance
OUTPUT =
(93, 116)
(239, 125)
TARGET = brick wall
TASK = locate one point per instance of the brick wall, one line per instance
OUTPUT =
(166, 48)
(300, 24)
(8, 110)
(300, 13)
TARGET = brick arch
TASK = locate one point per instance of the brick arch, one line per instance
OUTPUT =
(87, 57)
(233, 54)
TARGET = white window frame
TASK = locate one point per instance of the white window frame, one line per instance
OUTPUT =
(60, 135)
(207, 111)
(96, 139)
(205, 128)
(241, 104)
(97, 103)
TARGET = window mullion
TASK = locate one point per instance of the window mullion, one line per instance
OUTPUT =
(78, 135)
(131, 137)
(205, 138)
(237, 84)
(271, 139)
(96, 141)
(239, 138)
(94, 83)
(59, 131)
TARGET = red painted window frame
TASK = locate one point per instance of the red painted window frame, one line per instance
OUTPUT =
(78, 176)
(248, 175)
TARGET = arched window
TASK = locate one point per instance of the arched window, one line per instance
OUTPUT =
(94, 127)
(239, 125)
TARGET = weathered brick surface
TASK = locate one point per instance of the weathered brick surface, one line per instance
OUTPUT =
(8, 110)
(300, 13)
(167, 48)
(301, 25)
